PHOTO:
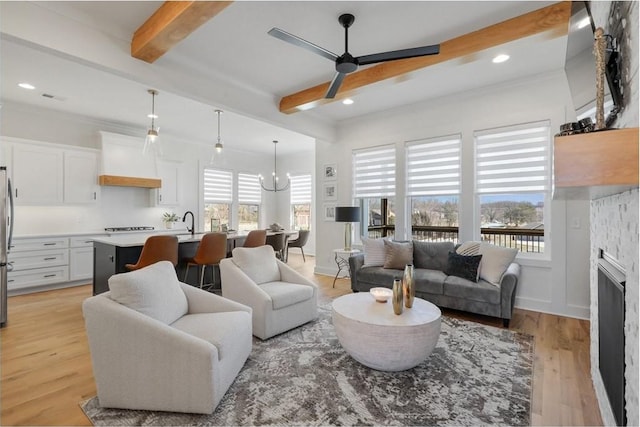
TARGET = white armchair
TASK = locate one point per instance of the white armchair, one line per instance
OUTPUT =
(280, 297)
(158, 344)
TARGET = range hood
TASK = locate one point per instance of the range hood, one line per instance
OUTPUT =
(123, 163)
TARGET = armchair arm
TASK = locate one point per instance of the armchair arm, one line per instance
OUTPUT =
(288, 274)
(205, 302)
(236, 285)
(136, 359)
(355, 264)
(508, 285)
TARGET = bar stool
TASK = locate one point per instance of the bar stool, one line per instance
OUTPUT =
(157, 248)
(212, 248)
(255, 238)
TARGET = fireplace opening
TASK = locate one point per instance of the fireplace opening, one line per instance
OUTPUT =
(611, 313)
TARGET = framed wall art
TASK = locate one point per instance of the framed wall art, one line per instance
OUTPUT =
(329, 211)
(330, 192)
(330, 172)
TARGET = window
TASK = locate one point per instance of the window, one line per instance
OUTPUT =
(300, 202)
(374, 186)
(433, 187)
(218, 195)
(249, 200)
(512, 184)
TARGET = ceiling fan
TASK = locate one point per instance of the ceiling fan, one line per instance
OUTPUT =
(346, 63)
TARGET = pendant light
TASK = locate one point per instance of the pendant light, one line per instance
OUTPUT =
(151, 141)
(217, 157)
(274, 175)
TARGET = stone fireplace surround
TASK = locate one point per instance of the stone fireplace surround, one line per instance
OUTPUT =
(615, 229)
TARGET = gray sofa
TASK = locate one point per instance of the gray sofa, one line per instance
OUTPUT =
(432, 284)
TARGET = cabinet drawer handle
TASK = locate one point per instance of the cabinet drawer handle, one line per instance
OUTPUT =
(50, 258)
(16, 192)
(49, 244)
(88, 241)
(49, 275)
(10, 280)
(94, 195)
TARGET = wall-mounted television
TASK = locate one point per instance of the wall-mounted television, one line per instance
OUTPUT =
(580, 67)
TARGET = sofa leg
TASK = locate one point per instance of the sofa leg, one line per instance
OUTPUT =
(505, 322)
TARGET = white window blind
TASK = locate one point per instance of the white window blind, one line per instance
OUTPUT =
(374, 172)
(513, 159)
(249, 190)
(433, 166)
(300, 192)
(218, 186)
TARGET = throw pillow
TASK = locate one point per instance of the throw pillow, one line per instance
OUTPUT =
(154, 291)
(495, 261)
(469, 248)
(374, 253)
(431, 255)
(465, 266)
(257, 263)
(397, 254)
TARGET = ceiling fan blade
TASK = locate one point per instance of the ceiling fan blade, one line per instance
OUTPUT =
(335, 85)
(398, 54)
(295, 40)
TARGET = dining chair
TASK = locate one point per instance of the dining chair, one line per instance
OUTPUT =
(156, 248)
(303, 236)
(211, 249)
(255, 238)
(277, 242)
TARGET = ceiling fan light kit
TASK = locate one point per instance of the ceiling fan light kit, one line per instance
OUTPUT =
(347, 63)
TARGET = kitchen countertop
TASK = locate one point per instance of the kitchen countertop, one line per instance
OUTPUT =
(129, 240)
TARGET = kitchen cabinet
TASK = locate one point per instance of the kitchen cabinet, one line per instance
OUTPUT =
(80, 177)
(170, 176)
(38, 262)
(81, 258)
(37, 175)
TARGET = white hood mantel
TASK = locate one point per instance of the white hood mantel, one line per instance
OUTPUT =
(123, 163)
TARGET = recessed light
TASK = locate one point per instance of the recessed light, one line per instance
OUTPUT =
(347, 101)
(26, 86)
(500, 58)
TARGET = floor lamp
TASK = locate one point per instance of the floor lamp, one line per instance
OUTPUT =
(347, 214)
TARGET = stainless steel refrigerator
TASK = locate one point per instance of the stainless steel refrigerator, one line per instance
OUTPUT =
(6, 233)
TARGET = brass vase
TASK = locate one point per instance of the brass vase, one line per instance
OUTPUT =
(408, 286)
(397, 296)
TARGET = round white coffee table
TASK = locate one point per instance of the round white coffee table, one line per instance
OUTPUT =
(376, 337)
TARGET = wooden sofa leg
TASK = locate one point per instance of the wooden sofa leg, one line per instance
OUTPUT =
(505, 323)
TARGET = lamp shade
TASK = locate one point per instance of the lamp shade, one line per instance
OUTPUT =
(347, 214)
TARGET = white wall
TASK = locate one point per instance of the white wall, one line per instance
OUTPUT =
(122, 206)
(556, 283)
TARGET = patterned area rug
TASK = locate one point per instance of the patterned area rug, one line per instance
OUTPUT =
(477, 375)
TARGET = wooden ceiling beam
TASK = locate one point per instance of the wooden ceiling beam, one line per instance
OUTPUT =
(553, 19)
(170, 24)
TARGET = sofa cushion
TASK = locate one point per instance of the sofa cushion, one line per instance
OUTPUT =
(284, 294)
(153, 290)
(495, 261)
(258, 263)
(431, 255)
(379, 276)
(397, 254)
(463, 266)
(429, 281)
(220, 329)
(374, 252)
(482, 291)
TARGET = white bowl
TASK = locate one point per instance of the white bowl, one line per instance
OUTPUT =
(381, 294)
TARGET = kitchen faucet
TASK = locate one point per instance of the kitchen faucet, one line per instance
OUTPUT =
(184, 218)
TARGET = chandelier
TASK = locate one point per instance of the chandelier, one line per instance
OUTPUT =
(274, 175)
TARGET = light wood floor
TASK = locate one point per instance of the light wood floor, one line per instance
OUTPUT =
(46, 366)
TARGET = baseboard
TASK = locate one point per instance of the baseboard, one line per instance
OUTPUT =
(44, 288)
(542, 306)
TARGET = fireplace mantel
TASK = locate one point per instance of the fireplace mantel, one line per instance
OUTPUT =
(595, 164)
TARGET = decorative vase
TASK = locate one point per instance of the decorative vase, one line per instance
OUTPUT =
(168, 224)
(408, 286)
(397, 296)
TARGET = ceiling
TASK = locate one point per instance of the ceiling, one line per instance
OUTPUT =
(234, 50)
